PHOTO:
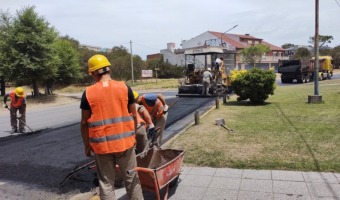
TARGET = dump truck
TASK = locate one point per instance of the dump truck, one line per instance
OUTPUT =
(325, 67)
(197, 60)
(302, 70)
(299, 70)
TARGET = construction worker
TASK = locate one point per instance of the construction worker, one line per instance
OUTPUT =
(144, 123)
(18, 103)
(207, 78)
(158, 109)
(108, 123)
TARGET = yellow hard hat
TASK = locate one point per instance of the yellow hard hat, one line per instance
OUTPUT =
(19, 91)
(97, 62)
(135, 95)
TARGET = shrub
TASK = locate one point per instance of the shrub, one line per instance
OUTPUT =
(255, 84)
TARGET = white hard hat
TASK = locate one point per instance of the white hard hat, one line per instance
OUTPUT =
(209, 69)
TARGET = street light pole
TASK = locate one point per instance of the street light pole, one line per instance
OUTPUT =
(227, 32)
(316, 49)
(316, 98)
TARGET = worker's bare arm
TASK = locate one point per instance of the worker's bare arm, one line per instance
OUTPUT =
(85, 115)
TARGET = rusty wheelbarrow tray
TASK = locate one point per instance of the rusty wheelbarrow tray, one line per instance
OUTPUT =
(157, 168)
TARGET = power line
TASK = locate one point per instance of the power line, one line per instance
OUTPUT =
(337, 2)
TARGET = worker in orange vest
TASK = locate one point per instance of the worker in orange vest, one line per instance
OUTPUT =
(158, 109)
(108, 124)
(144, 124)
(18, 103)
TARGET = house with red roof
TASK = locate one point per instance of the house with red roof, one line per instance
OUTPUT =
(232, 44)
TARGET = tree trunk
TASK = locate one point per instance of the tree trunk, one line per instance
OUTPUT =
(35, 88)
(3, 87)
(48, 87)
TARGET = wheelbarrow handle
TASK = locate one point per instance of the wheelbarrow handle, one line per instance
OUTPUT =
(141, 169)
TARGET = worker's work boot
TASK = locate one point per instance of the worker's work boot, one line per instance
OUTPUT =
(22, 130)
(14, 130)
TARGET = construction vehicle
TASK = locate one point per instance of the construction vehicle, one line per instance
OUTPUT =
(302, 70)
(298, 70)
(197, 60)
(325, 67)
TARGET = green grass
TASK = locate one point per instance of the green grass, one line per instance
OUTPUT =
(139, 85)
(285, 133)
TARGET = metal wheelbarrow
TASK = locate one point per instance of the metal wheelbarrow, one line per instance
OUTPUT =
(158, 168)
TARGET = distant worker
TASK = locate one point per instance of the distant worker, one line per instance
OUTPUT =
(108, 122)
(158, 109)
(207, 78)
(218, 63)
(18, 103)
(144, 123)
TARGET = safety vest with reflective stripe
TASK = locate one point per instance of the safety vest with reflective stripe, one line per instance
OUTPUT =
(156, 110)
(111, 127)
(16, 102)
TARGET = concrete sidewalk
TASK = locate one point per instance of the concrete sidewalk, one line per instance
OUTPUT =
(198, 183)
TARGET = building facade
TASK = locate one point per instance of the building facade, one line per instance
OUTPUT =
(232, 45)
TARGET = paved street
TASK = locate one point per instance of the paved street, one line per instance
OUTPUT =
(195, 182)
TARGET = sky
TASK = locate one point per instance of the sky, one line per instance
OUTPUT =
(151, 24)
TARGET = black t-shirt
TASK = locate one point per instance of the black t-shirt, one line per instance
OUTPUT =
(84, 104)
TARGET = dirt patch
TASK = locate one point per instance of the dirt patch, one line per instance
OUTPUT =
(49, 100)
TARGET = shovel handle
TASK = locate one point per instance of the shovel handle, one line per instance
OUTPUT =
(229, 130)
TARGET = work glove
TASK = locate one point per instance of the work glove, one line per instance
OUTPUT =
(19, 115)
(5, 105)
(165, 110)
(151, 132)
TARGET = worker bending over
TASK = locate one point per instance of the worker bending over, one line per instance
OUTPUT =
(144, 123)
(18, 103)
(158, 109)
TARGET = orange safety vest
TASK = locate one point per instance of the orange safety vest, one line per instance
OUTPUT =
(156, 110)
(111, 127)
(16, 102)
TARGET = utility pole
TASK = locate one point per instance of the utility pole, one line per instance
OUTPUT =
(316, 98)
(316, 49)
(133, 82)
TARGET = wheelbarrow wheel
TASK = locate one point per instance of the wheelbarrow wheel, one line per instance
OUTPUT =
(174, 182)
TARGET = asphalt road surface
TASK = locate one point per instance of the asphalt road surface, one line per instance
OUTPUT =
(33, 165)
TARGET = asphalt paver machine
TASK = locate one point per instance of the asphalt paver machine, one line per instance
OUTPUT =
(197, 60)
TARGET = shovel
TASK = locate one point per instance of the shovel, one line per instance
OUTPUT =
(221, 122)
(23, 122)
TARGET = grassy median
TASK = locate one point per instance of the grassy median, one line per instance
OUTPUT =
(284, 133)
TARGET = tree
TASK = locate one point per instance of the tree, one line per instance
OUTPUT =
(253, 54)
(120, 60)
(166, 70)
(29, 54)
(335, 53)
(68, 65)
(302, 53)
(323, 39)
(5, 26)
(287, 45)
